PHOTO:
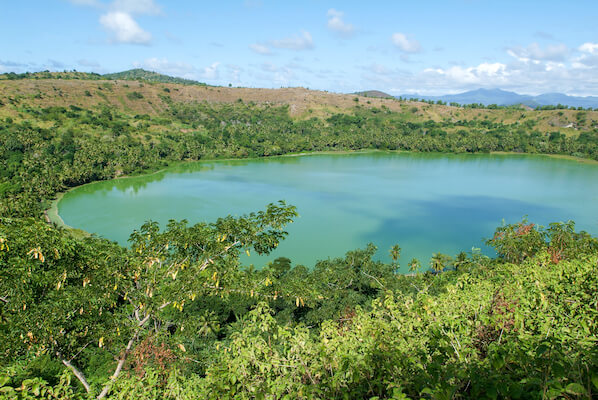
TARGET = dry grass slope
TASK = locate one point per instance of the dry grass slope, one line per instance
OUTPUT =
(152, 98)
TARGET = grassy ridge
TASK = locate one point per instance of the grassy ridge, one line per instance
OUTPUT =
(149, 76)
(95, 90)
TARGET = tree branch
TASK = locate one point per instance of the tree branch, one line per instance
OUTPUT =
(77, 373)
(374, 278)
(209, 260)
(123, 358)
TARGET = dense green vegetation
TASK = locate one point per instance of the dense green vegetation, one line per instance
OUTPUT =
(176, 316)
(56, 147)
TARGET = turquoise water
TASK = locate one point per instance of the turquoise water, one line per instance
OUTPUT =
(426, 203)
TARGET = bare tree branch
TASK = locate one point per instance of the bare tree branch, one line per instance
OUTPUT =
(123, 358)
(77, 373)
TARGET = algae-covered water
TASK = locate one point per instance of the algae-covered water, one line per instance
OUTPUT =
(426, 203)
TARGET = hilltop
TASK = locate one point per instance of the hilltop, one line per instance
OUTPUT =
(11, 76)
(45, 89)
(375, 93)
(139, 74)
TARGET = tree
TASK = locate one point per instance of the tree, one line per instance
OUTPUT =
(460, 260)
(414, 265)
(439, 262)
(113, 302)
(395, 254)
(516, 242)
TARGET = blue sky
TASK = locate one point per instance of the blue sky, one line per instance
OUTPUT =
(426, 47)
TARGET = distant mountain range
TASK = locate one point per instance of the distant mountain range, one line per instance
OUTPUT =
(506, 98)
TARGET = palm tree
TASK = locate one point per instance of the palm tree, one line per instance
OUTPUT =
(460, 260)
(395, 253)
(439, 262)
(414, 265)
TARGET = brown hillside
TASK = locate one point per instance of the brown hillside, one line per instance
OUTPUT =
(152, 98)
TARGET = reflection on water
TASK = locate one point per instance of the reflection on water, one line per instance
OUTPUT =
(425, 202)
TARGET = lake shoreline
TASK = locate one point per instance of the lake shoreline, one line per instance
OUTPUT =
(410, 192)
(53, 216)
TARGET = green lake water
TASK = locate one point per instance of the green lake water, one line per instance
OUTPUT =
(426, 203)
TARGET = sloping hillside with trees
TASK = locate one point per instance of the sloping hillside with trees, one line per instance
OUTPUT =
(177, 316)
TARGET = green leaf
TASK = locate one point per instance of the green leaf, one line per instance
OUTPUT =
(498, 362)
(575, 388)
(4, 380)
(35, 388)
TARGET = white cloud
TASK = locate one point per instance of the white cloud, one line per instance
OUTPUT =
(526, 78)
(591, 48)
(118, 18)
(534, 52)
(260, 49)
(297, 42)
(210, 72)
(337, 25)
(124, 29)
(180, 69)
(588, 58)
(530, 70)
(172, 68)
(478, 75)
(404, 43)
